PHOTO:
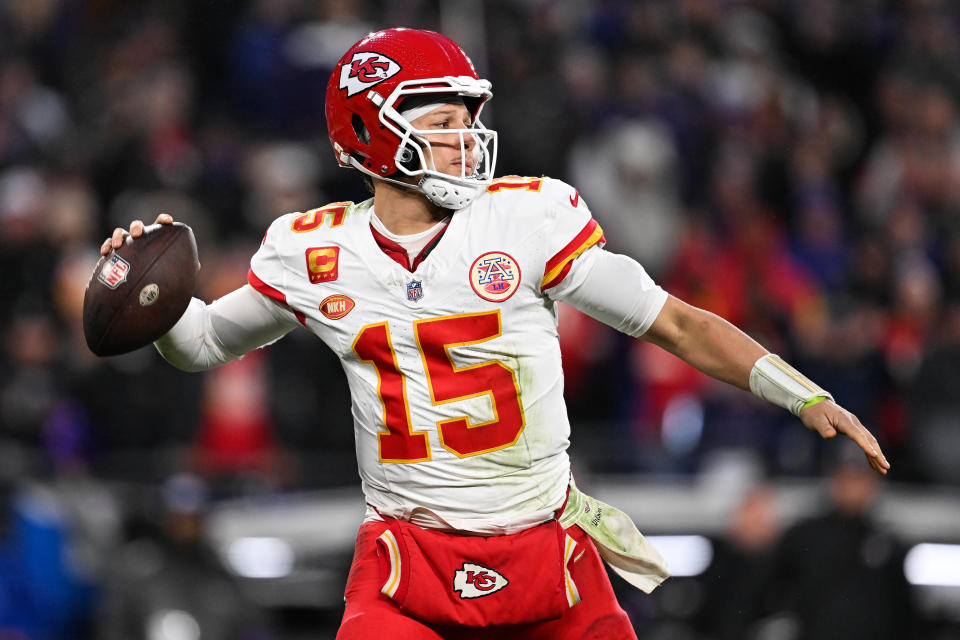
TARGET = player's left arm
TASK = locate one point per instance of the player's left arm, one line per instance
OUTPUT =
(719, 349)
(616, 290)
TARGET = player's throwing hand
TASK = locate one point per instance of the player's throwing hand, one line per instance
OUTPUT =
(827, 418)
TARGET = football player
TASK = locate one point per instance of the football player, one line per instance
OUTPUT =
(439, 296)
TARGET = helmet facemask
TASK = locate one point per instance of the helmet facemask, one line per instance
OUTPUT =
(414, 155)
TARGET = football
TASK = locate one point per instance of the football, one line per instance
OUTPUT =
(139, 291)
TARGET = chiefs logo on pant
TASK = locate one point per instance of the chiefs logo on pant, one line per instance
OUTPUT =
(475, 581)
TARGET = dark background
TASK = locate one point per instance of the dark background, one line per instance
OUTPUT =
(792, 166)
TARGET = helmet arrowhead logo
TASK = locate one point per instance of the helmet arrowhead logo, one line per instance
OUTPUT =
(366, 69)
(476, 581)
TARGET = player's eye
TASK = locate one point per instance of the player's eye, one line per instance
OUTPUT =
(452, 122)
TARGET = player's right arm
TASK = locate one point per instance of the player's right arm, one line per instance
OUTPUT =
(208, 335)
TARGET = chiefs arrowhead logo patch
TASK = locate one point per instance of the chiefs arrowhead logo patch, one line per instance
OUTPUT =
(475, 581)
(366, 69)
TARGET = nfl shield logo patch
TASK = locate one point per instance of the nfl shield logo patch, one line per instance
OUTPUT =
(114, 271)
(414, 290)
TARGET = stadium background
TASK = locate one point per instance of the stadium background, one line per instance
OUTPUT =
(791, 165)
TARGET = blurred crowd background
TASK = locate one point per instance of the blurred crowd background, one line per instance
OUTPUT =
(793, 166)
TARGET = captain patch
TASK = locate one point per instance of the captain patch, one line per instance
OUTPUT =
(322, 264)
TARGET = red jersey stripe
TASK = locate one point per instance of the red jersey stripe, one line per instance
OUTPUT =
(274, 294)
(559, 265)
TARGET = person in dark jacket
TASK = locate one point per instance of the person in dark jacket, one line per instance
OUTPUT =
(841, 573)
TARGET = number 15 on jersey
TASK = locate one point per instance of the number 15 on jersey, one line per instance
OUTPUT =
(447, 383)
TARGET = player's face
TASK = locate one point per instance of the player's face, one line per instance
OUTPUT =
(446, 151)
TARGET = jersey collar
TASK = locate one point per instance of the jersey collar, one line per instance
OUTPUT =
(399, 255)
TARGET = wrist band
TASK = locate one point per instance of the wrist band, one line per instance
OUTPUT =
(813, 401)
(776, 381)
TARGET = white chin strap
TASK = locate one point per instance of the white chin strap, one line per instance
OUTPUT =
(448, 194)
(440, 191)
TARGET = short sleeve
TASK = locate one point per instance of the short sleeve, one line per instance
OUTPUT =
(267, 269)
(570, 231)
(614, 289)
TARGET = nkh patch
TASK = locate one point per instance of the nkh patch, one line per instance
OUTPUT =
(495, 276)
(475, 581)
(336, 306)
(114, 271)
(414, 290)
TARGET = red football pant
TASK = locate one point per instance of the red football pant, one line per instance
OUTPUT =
(372, 615)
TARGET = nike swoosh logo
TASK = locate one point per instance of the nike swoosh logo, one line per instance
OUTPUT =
(575, 199)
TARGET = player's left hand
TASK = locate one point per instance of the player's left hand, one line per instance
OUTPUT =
(828, 418)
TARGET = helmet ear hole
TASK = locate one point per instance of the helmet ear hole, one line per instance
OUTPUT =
(363, 134)
(409, 159)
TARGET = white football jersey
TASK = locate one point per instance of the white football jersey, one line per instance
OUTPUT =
(454, 368)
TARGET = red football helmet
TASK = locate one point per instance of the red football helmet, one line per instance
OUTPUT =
(367, 98)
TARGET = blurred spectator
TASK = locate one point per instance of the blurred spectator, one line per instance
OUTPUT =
(914, 316)
(153, 110)
(951, 266)
(235, 439)
(28, 393)
(934, 406)
(735, 582)
(48, 592)
(281, 178)
(235, 447)
(840, 574)
(820, 242)
(33, 118)
(263, 82)
(72, 213)
(587, 344)
(62, 530)
(170, 584)
(920, 159)
(628, 179)
(25, 260)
